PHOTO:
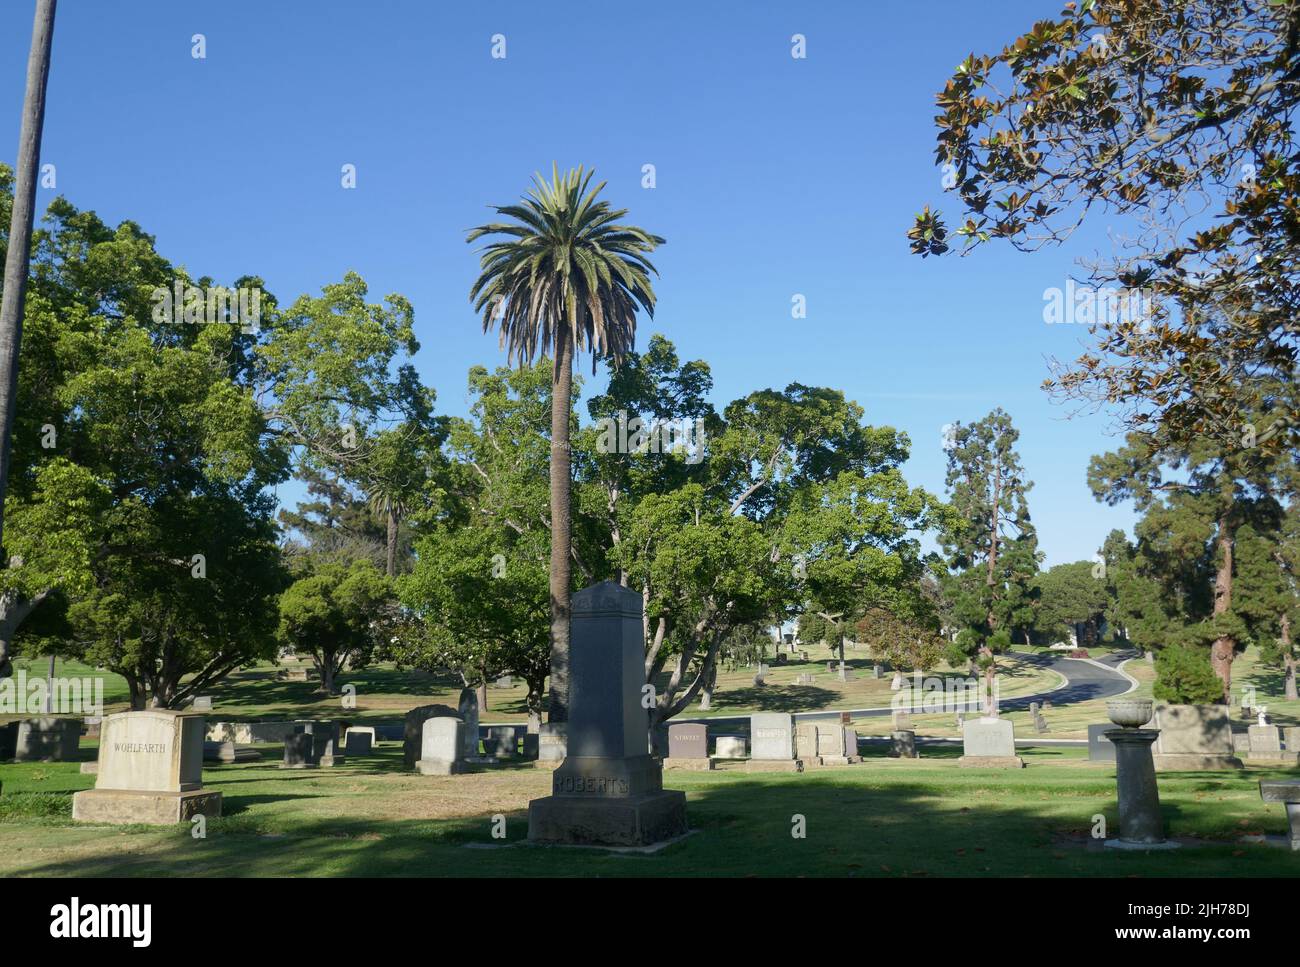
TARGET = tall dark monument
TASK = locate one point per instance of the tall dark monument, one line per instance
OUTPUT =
(609, 789)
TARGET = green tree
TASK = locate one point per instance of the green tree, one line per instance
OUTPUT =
(1181, 132)
(1194, 500)
(567, 277)
(1268, 593)
(1072, 598)
(330, 614)
(989, 540)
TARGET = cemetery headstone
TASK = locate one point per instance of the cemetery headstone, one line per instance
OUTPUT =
(989, 743)
(442, 745)
(1192, 737)
(413, 729)
(325, 742)
(467, 709)
(47, 739)
(688, 747)
(150, 771)
(609, 789)
(299, 751)
(771, 741)
(903, 720)
(1100, 748)
(904, 744)
(359, 740)
(552, 743)
(501, 742)
(202, 703)
(1266, 746)
(729, 747)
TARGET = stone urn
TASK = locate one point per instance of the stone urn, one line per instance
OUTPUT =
(1129, 713)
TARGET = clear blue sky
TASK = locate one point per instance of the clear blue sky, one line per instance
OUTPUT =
(775, 176)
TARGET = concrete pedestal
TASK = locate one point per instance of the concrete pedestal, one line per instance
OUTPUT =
(121, 807)
(991, 762)
(699, 765)
(1140, 822)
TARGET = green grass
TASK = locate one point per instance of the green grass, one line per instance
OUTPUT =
(884, 817)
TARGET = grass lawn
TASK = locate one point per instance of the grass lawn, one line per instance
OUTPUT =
(884, 817)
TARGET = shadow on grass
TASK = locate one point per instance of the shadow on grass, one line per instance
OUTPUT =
(774, 698)
(935, 821)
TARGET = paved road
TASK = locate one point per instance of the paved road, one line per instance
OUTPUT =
(1084, 681)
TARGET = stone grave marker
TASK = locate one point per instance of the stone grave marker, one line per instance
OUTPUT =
(1192, 737)
(150, 771)
(359, 740)
(299, 749)
(609, 789)
(413, 729)
(1265, 745)
(47, 739)
(688, 747)
(771, 741)
(729, 747)
(1100, 748)
(442, 745)
(903, 744)
(989, 743)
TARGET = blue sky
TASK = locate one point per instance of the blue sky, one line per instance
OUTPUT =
(775, 176)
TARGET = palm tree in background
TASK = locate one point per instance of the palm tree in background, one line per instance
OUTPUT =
(390, 506)
(566, 278)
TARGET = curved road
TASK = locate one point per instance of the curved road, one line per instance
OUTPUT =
(1084, 680)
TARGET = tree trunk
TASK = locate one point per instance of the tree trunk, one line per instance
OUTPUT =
(706, 691)
(1224, 649)
(480, 693)
(325, 668)
(561, 406)
(18, 258)
(391, 567)
(990, 681)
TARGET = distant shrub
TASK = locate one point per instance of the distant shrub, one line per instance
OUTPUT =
(1184, 677)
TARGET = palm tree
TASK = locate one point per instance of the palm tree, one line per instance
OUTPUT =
(389, 505)
(567, 277)
(18, 256)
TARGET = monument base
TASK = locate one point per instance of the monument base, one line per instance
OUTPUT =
(439, 767)
(701, 765)
(1126, 844)
(608, 821)
(1287, 760)
(840, 760)
(1195, 762)
(299, 765)
(991, 762)
(774, 765)
(121, 807)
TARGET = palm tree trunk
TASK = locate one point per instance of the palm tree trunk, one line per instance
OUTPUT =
(18, 257)
(392, 543)
(561, 524)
